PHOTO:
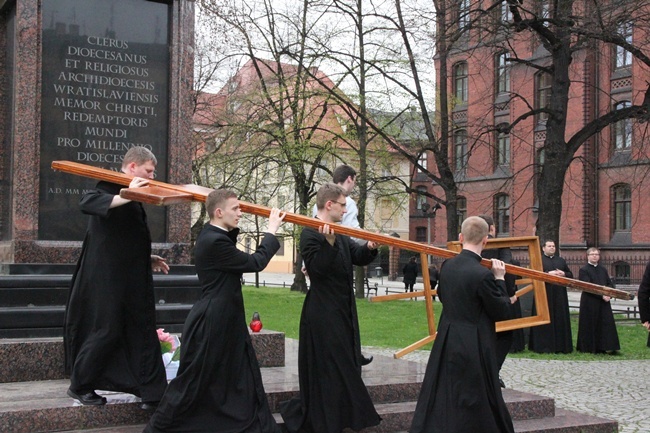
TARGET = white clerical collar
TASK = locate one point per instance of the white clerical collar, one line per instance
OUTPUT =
(219, 227)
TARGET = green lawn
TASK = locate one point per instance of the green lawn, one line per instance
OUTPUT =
(397, 324)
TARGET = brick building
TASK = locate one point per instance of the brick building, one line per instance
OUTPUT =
(496, 77)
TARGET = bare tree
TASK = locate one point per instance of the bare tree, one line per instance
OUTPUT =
(566, 33)
(285, 110)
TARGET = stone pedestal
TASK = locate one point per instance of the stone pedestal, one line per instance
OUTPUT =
(84, 80)
(42, 359)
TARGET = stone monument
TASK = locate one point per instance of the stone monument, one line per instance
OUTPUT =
(85, 80)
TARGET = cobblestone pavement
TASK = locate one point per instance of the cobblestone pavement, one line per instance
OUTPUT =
(617, 390)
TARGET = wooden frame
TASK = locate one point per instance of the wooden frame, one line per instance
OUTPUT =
(537, 286)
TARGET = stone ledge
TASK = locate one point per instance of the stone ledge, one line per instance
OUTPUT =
(42, 359)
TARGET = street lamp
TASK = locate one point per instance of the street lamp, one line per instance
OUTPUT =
(429, 214)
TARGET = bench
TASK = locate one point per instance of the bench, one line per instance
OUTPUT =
(395, 290)
(368, 288)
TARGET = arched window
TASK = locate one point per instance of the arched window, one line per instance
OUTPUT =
(420, 234)
(502, 148)
(506, 13)
(463, 14)
(502, 214)
(542, 94)
(460, 81)
(421, 198)
(622, 130)
(622, 199)
(461, 210)
(502, 73)
(460, 150)
(623, 58)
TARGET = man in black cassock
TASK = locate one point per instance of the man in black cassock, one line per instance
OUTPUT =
(110, 337)
(218, 387)
(596, 328)
(556, 336)
(643, 296)
(460, 391)
(333, 396)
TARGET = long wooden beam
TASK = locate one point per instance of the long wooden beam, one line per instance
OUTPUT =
(185, 193)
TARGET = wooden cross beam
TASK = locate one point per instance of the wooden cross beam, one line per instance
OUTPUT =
(161, 193)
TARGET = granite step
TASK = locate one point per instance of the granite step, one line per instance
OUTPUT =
(44, 406)
(394, 385)
(399, 422)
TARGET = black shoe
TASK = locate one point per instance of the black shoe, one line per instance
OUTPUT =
(366, 360)
(503, 385)
(149, 406)
(90, 398)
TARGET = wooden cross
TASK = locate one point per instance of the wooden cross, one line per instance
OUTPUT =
(162, 194)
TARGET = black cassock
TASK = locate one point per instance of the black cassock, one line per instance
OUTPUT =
(460, 391)
(218, 387)
(556, 336)
(596, 327)
(332, 393)
(110, 335)
(643, 296)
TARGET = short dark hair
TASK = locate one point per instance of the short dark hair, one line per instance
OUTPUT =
(327, 192)
(139, 155)
(342, 172)
(488, 219)
(216, 199)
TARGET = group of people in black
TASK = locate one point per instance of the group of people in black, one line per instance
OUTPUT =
(111, 342)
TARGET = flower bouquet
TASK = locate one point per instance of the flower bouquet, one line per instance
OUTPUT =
(169, 346)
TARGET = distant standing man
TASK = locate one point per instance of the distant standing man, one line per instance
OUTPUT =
(333, 396)
(110, 334)
(219, 387)
(346, 177)
(460, 391)
(644, 300)
(596, 328)
(410, 272)
(556, 336)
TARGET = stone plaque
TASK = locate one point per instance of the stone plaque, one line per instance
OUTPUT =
(105, 89)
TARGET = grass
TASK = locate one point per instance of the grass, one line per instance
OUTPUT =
(397, 324)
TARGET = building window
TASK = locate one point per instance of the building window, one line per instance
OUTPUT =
(622, 207)
(421, 197)
(621, 273)
(622, 130)
(542, 94)
(460, 82)
(506, 13)
(623, 58)
(422, 160)
(502, 73)
(544, 11)
(463, 14)
(460, 150)
(461, 210)
(420, 234)
(502, 214)
(502, 157)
